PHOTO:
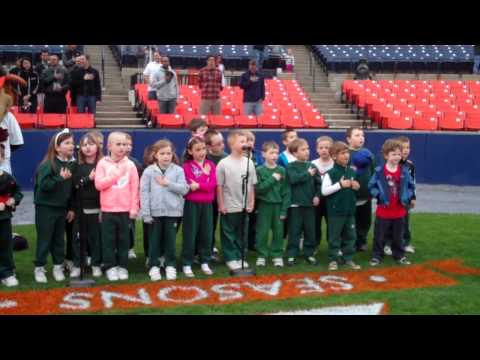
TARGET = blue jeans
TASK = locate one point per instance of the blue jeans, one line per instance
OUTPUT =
(260, 57)
(476, 64)
(87, 101)
(152, 95)
(253, 108)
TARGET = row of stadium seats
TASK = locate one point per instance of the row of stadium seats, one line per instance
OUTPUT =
(416, 104)
(72, 119)
(397, 58)
(285, 105)
(9, 53)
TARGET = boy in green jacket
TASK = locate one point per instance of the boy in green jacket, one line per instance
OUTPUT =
(304, 183)
(272, 205)
(340, 188)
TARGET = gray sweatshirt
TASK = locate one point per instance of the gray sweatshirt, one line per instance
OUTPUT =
(159, 201)
(165, 91)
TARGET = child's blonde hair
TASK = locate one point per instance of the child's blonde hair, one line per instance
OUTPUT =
(232, 135)
(325, 138)
(270, 145)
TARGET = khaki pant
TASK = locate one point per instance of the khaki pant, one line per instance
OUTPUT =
(208, 107)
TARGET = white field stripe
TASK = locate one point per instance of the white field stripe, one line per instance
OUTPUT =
(367, 309)
(7, 304)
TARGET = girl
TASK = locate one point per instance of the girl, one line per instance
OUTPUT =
(89, 202)
(52, 198)
(147, 161)
(28, 95)
(162, 188)
(200, 174)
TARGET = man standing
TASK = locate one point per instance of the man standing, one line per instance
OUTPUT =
(210, 83)
(69, 55)
(166, 84)
(253, 85)
(151, 69)
(260, 55)
(85, 80)
(55, 83)
(476, 59)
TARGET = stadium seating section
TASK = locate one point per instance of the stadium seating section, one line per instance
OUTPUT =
(397, 58)
(9, 53)
(417, 105)
(286, 105)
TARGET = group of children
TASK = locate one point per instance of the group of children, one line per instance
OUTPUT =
(288, 196)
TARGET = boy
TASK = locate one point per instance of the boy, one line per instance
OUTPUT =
(272, 196)
(393, 188)
(287, 157)
(116, 178)
(363, 162)
(230, 174)
(340, 188)
(323, 164)
(304, 183)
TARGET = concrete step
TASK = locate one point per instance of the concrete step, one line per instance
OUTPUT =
(123, 107)
(116, 92)
(335, 117)
(117, 104)
(115, 97)
(119, 121)
(116, 114)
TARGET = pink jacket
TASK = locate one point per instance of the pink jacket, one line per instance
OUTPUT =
(208, 183)
(118, 184)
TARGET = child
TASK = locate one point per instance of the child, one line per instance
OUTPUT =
(131, 251)
(162, 188)
(200, 174)
(198, 128)
(363, 162)
(272, 195)
(339, 187)
(304, 183)
(254, 155)
(286, 157)
(10, 197)
(230, 174)
(116, 178)
(84, 176)
(148, 159)
(52, 197)
(323, 164)
(289, 61)
(99, 138)
(393, 188)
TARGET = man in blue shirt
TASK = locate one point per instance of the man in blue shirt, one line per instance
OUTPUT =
(253, 84)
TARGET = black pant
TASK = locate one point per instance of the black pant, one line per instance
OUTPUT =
(132, 234)
(320, 213)
(69, 236)
(215, 222)
(363, 221)
(146, 237)
(382, 228)
(33, 107)
(252, 233)
(55, 104)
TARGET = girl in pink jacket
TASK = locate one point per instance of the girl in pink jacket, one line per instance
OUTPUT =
(200, 174)
(116, 178)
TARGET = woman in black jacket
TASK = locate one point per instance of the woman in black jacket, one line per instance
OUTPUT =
(27, 101)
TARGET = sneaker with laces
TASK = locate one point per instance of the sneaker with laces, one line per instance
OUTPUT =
(131, 254)
(333, 266)
(404, 261)
(58, 274)
(96, 271)
(245, 264)
(410, 249)
(290, 261)
(187, 271)
(352, 265)
(387, 250)
(40, 275)
(89, 261)
(155, 274)
(375, 262)
(162, 262)
(311, 260)
(171, 273)
(206, 269)
(261, 262)
(112, 274)
(122, 273)
(11, 281)
(278, 262)
(232, 265)
(75, 272)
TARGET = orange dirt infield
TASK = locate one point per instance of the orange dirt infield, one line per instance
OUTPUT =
(231, 290)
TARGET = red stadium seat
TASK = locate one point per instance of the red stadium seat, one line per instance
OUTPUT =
(314, 120)
(173, 121)
(190, 116)
(451, 123)
(26, 121)
(425, 123)
(400, 123)
(472, 122)
(52, 120)
(222, 121)
(231, 111)
(269, 121)
(246, 121)
(81, 121)
(292, 121)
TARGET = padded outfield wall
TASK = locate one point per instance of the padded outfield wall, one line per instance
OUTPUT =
(440, 158)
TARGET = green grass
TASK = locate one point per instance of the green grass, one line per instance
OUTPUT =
(436, 236)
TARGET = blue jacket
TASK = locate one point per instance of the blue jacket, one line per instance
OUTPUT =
(378, 187)
(252, 91)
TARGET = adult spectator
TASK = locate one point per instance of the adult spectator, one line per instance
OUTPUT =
(15, 70)
(69, 55)
(362, 72)
(151, 69)
(221, 67)
(85, 82)
(55, 82)
(210, 83)
(27, 100)
(166, 84)
(253, 84)
(39, 69)
(260, 55)
(476, 59)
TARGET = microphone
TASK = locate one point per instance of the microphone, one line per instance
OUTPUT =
(246, 148)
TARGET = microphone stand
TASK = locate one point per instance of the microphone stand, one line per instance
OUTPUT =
(243, 233)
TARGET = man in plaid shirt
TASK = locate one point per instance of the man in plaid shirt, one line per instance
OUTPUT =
(210, 82)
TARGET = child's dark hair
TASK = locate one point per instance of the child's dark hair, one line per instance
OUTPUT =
(295, 145)
(286, 132)
(351, 130)
(160, 144)
(209, 135)
(148, 156)
(92, 139)
(270, 145)
(338, 147)
(51, 154)
(196, 124)
(391, 145)
(191, 143)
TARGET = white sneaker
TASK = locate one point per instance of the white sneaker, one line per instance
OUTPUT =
(206, 269)
(39, 274)
(171, 273)
(187, 271)
(215, 251)
(278, 262)
(58, 274)
(131, 254)
(89, 261)
(112, 274)
(155, 274)
(11, 281)
(387, 250)
(68, 264)
(96, 271)
(261, 262)
(162, 261)
(232, 265)
(410, 249)
(122, 273)
(75, 272)
(245, 264)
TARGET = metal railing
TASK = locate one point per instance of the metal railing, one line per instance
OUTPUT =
(103, 69)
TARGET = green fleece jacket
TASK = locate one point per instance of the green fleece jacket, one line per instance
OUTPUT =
(303, 186)
(271, 191)
(342, 202)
